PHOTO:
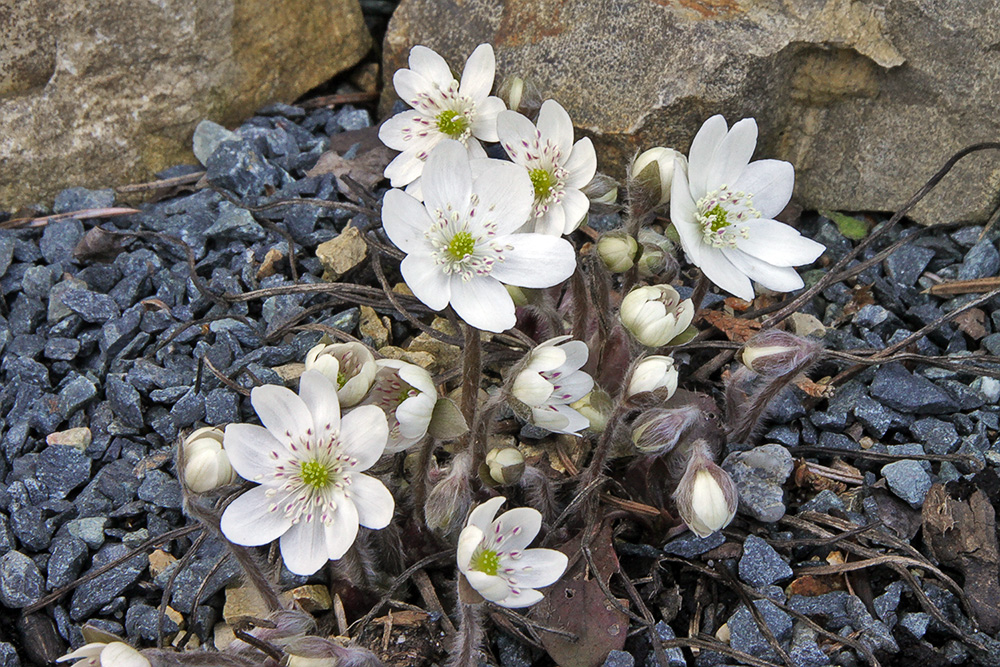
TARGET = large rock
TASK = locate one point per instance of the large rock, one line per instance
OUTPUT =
(866, 99)
(104, 92)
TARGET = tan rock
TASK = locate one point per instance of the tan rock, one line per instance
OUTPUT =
(371, 326)
(222, 636)
(159, 561)
(98, 93)
(445, 356)
(311, 598)
(290, 372)
(342, 253)
(866, 99)
(243, 601)
(80, 438)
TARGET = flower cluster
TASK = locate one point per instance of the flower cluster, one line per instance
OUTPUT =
(550, 380)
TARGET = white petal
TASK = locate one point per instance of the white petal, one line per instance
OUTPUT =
(491, 587)
(92, 650)
(517, 527)
(733, 154)
(391, 133)
(778, 244)
(405, 221)
(570, 421)
(414, 415)
(477, 77)
(682, 211)
(447, 181)
(555, 125)
(303, 547)
(372, 500)
(551, 419)
(770, 183)
(341, 535)
(119, 654)
(484, 125)
(505, 194)
(475, 149)
(415, 189)
(536, 261)
(409, 85)
(320, 396)
(777, 278)
(575, 207)
(703, 148)
(721, 271)
(582, 164)
(431, 66)
(415, 376)
(281, 411)
(363, 434)
(468, 541)
(482, 515)
(524, 598)
(572, 388)
(248, 521)
(405, 167)
(552, 222)
(516, 134)
(484, 303)
(537, 567)
(577, 353)
(531, 388)
(426, 279)
(253, 451)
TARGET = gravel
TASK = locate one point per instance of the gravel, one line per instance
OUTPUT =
(761, 565)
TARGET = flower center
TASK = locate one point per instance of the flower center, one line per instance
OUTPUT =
(542, 181)
(452, 123)
(486, 561)
(719, 214)
(315, 474)
(461, 246)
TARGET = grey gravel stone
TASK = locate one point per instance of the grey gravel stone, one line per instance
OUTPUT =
(89, 529)
(61, 469)
(74, 395)
(901, 390)
(207, 137)
(759, 475)
(760, 564)
(90, 306)
(188, 409)
(79, 199)
(58, 240)
(804, 651)
(222, 406)
(160, 489)
(6, 254)
(916, 623)
(8, 655)
(62, 349)
(239, 168)
(824, 501)
(988, 388)
(886, 604)
(191, 578)
(908, 480)
(68, 556)
(124, 399)
(906, 264)
(982, 261)
(142, 622)
(690, 545)
(675, 658)
(829, 608)
(746, 636)
(21, 583)
(619, 659)
(940, 437)
(98, 592)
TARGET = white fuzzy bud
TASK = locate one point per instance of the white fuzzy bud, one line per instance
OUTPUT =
(652, 374)
(617, 251)
(655, 315)
(655, 171)
(206, 464)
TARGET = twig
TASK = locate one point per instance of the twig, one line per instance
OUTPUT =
(160, 184)
(85, 214)
(430, 598)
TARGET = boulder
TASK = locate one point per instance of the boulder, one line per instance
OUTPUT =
(107, 92)
(866, 99)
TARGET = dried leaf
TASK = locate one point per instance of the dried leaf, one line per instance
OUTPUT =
(806, 478)
(98, 245)
(972, 322)
(815, 389)
(366, 168)
(810, 585)
(735, 328)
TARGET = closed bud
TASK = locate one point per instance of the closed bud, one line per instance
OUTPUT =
(706, 496)
(449, 500)
(206, 464)
(658, 431)
(654, 373)
(505, 466)
(654, 170)
(774, 353)
(655, 315)
(602, 189)
(617, 250)
(521, 96)
(596, 407)
(657, 254)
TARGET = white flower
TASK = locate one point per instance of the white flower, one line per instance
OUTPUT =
(350, 366)
(307, 460)
(706, 497)
(99, 654)
(206, 464)
(652, 373)
(443, 108)
(723, 209)
(655, 314)
(558, 167)
(407, 395)
(493, 558)
(662, 173)
(550, 380)
(461, 243)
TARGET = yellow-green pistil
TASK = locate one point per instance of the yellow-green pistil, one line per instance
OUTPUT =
(341, 379)
(486, 562)
(461, 246)
(542, 182)
(315, 474)
(452, 123)
(717, 216)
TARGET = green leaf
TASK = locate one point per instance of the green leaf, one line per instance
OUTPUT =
(851, 227)
(684, 337)
(447, 422)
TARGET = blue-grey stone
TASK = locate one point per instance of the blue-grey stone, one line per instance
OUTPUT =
(160, 489)
(746, 636)
(886, 604)
(908, 480)
(68, 556)
(236, 224)
(207, 137)
(350, 118)
(90, 306)
(79, 199)
(77, 393)
(62, 468)
(804, 651)
(901, 390)
(982, 261)
(619, 659)
(824, 501)
(38, 280)
(830, 608)
(7, 540)
(675, 658)
(906, 264)
(760, 564)
(189, 409)
(966, 397)
(21, 583)
(89, 529)
(62, 349)
(58, 240)
(988, 388)
(238, 167)
(124, 399)
(30, 526)
(222, 406)
(690, 545)
(8, 655)
(940, 437)
(94, 594)
(6, 254)
(759, 475)
(915, 622)
(877, 418)
(142, 622)
(190, 579)
(26, 313)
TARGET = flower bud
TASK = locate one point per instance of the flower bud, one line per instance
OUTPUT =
(654, 169)
(773, 353)
(617, 250)
(596, 407)
(706, 496)
(449, 500)
(206, 464)
(654, 373)
(505, 466)
(658, 431)
(657, 253)
(602, 189)
(350, 366)
(655, 315)
(521, 96)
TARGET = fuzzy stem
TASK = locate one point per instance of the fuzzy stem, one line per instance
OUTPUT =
(472, 375)
(746, 419)
(700, 289)
(603, 448)
(465, 649)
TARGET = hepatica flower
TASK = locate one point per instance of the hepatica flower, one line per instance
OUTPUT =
(461, 243)
(406, 394)
(723, 209)
(443, 108)
(308, 462)
(558, 168)
(550, 380)
(493, 558)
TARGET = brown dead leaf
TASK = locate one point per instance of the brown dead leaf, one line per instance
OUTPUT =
(98, 245)
(810, 585)
(862, 297)
(738, 305)
(735, 328)
(366, 167)
(973, 323)
(815, 389)
(807, 479)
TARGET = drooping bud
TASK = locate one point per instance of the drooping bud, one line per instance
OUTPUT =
(521, 96)
(206, 464)
(654, 373)
(655, 315)
(773, 353)
(505, 466)
(706, 496)
(602, 190)
(657, 255)
(349, 366)
(449, 500)
(658, 431)
(617, 250)
(654, 170)
(596, 407)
